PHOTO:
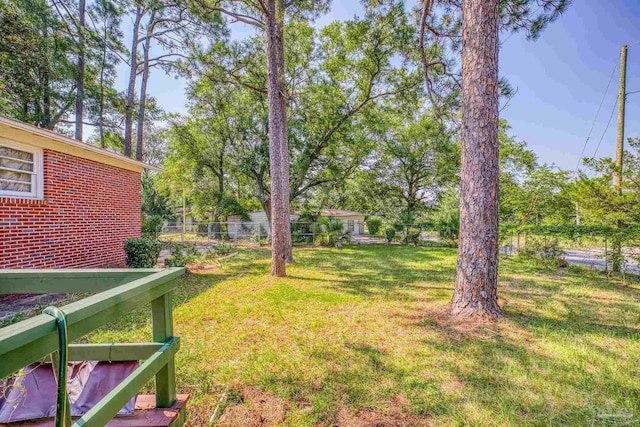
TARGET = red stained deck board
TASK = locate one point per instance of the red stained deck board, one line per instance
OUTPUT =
(146, 414)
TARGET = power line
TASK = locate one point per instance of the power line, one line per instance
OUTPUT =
(607, 127)
(615, 67)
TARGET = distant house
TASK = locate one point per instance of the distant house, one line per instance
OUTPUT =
(353, 221)
(64, 203)
(181, 216)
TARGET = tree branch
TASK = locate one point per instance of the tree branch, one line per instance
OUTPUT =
(237, 17)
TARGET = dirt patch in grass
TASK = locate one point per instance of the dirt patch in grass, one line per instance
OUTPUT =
(396, 416)
(204, 268)
(257, 408)
(460, 327)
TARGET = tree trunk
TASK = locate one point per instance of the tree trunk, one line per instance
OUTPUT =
(46, 121)
(143, 102)
(221, 175)
(278, 147)
(101, 84)
(131, 89)
(143, 87)
(81, 64)
(265, 201)
(616, 251)
(476, 286)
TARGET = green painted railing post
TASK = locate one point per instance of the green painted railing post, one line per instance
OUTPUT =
(163, 331)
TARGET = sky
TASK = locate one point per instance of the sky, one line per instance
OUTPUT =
(560, 79)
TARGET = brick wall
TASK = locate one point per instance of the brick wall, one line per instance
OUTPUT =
(89, 210)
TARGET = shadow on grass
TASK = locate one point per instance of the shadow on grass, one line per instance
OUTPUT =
(560, 372)
(392, 271)
(136, 325)
(562, 356)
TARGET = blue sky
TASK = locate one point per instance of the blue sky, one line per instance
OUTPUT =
(560, 78)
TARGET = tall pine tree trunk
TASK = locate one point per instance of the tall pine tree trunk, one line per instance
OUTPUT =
(45, 115)
(278, 147)
(81, 65)
(476, 286)
(143, 86)
(131, 88)
(101, 83)
(143, 102)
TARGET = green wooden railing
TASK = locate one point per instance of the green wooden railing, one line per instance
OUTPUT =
(117, 292)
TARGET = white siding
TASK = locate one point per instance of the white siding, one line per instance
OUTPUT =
(258, 217)
(261, 217)
(255, 219)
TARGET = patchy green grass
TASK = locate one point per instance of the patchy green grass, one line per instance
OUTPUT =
(358, 336)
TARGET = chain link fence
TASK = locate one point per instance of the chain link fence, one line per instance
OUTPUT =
(202, 233)
(205, 235)
(594, 250)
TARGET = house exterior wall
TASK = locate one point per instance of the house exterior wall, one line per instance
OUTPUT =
(89, 210)
(260, 217)
(239, 227)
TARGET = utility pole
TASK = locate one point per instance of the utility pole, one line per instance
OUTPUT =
(617, 182)
(184, 216)
(622, 94)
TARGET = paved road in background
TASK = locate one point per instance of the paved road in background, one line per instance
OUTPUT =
(595, 259)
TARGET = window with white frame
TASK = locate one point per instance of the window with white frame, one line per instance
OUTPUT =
(20, 171)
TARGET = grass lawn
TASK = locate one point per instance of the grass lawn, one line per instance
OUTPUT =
(358, 337)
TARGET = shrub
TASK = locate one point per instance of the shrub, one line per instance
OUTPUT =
(181, 255)
(390, 234)
(331, 233)
(152, 226)
(220, 249)
(448, 227)
(412, 235)
(203, 229)
(259, 235)
(373, 225)
(301, 231)
(546, 249)
(142, 252)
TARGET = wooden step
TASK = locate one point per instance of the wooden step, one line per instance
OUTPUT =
(146, 415)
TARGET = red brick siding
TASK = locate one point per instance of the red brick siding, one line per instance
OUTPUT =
(89, 210)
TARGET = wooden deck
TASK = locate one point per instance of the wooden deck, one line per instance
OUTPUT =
(146, 415)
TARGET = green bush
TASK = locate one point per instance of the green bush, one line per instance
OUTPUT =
(390, 234)
(181, 255)
(301, 231)
(448, 227)
(373, 225)
(412, 235)
(142, 252)
(330, 232)
(219, 250)
(202, 230)
(152, 226)
(259, 235)
(545, 249)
